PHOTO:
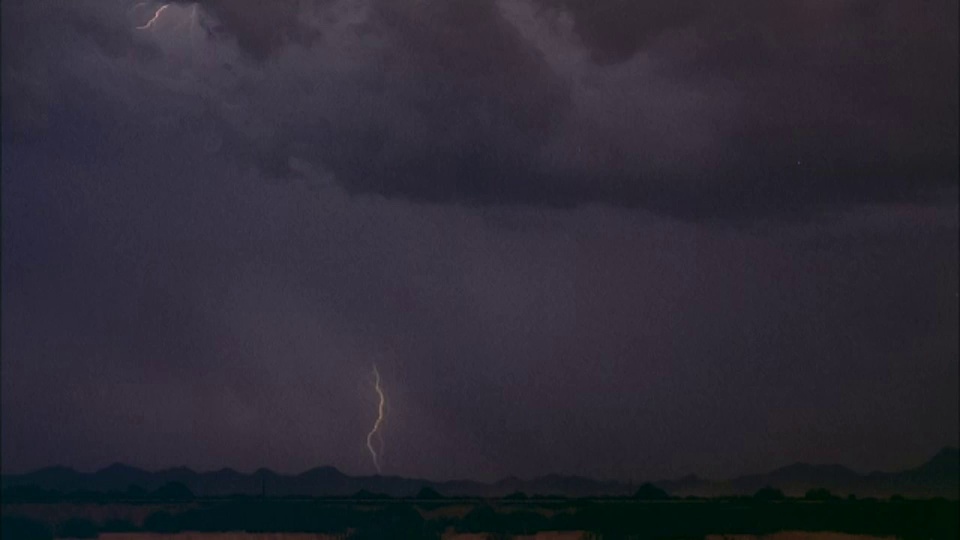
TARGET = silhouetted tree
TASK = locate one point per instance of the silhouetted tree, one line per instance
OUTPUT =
(364, 494)
(516, 496)
(173, 491)
(819, 494)
(650, 492)
(428, 493)
(769, 494)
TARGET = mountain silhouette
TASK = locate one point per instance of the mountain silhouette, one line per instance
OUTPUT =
(938, 477)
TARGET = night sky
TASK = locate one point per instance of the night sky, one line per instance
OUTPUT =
(620, 239)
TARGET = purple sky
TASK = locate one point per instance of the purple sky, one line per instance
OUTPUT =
(616, 239)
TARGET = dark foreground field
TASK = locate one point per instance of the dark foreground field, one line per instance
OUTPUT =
(411, 518)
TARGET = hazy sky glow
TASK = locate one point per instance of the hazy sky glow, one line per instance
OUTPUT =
(616, 239)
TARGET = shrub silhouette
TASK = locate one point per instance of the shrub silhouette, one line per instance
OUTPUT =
(819, 494)
(769, 494)
(650, 492)
(516, 496)
(364, 494)
(23, 528)
(174, 491)
(428, 493)
(612, 518)
(77, 528)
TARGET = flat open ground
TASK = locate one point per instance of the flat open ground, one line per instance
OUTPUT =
(316, 519)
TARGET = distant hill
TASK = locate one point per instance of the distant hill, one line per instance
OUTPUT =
(940, 476)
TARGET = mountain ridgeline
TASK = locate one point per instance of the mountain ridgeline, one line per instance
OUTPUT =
(938, 477)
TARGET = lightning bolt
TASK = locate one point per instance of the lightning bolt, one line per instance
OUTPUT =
(376, 425)
(156, 16)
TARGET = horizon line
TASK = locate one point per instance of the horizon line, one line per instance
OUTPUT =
(263, 470)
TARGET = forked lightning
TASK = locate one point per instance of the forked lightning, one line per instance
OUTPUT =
(376, 425)
(156, 16)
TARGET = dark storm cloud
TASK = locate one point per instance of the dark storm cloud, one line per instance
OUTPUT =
(837, 101)
(615, 30)
(440, 91)
(689, 109)
(832, 104)
(263, 28)
(480, 101)
(791, 106)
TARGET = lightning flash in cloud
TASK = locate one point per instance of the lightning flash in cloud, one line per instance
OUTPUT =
(156, 16)
(378, 423)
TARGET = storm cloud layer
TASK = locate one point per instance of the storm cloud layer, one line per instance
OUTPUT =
(687, 109)
(609, 238)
